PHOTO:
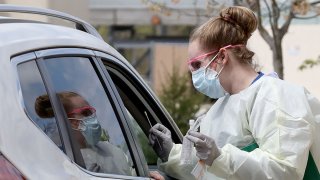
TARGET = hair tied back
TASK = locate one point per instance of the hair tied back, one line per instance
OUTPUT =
(231, 21)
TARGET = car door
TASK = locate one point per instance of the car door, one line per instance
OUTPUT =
(141, 106)
(63, 72)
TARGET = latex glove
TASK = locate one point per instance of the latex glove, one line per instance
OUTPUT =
(94, 167)
(161, 141)
(206, 148)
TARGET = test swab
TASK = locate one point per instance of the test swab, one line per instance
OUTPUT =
(196, 124)
(151, 127)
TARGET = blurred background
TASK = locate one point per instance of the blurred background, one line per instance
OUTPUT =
(153, 36)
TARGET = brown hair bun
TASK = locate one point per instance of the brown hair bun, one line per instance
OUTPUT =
(234, 26)
(240, 17)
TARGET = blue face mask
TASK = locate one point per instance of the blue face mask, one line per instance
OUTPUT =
(92, 132)
(207, 82)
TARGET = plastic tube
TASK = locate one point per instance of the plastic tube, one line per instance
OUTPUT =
(186, 152)
(196, 124)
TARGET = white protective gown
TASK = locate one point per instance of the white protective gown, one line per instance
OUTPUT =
(108, 157)
(282, 118)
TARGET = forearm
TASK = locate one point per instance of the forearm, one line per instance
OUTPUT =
(173, 167)
(234, 163)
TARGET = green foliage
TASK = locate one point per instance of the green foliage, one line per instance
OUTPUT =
(150, 155)
(181, 99)
(309, 63)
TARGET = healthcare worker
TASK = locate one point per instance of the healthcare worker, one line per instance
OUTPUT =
(261, 127)
(98, 154)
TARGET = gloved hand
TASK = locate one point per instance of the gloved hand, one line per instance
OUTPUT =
(161, 141)
(206, 148)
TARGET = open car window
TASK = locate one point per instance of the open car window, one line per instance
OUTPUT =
(141, 108)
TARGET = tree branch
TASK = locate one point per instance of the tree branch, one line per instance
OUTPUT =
(314, 3)
(263, 32)
(270, 13)
(285, 26)
(276, 13)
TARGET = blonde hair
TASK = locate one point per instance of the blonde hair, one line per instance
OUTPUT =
(234, 26)
(43, 105)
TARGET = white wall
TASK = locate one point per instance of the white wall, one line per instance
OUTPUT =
(300, 43)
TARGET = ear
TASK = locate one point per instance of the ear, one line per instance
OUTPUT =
(223, 57)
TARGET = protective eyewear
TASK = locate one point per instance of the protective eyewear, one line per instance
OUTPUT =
(197, 62)
(82, 114)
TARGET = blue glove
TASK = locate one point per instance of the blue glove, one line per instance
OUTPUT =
(206, 148)
(161, 141)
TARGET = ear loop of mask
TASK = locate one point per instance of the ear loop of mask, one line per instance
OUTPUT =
(218, 73)
(214, 57)
(225, 48)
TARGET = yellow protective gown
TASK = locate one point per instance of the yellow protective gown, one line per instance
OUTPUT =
(282, 118)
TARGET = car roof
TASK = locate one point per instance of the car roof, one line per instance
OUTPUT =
(23, 37)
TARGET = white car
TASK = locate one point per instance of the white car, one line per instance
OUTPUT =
(44, 69)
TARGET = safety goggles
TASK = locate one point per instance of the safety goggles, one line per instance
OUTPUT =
(197, 62)
(81, 115)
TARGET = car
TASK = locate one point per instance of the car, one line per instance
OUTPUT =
(43, 66)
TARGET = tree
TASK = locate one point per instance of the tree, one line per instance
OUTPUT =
(181, 99)
(279, 15)
(277, 12)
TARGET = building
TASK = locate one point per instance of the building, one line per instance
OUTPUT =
(160, 56)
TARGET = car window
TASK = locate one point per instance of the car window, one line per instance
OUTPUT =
(95, 133)
(100, 139)
(139, 109)
(150, 155)
(142, 109)
(32, 87)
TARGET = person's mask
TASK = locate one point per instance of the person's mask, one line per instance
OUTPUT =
(92, 132)
(207, 82)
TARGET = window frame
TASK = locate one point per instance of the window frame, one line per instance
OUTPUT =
(39, 57)
(146, 96)
(145, 92)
